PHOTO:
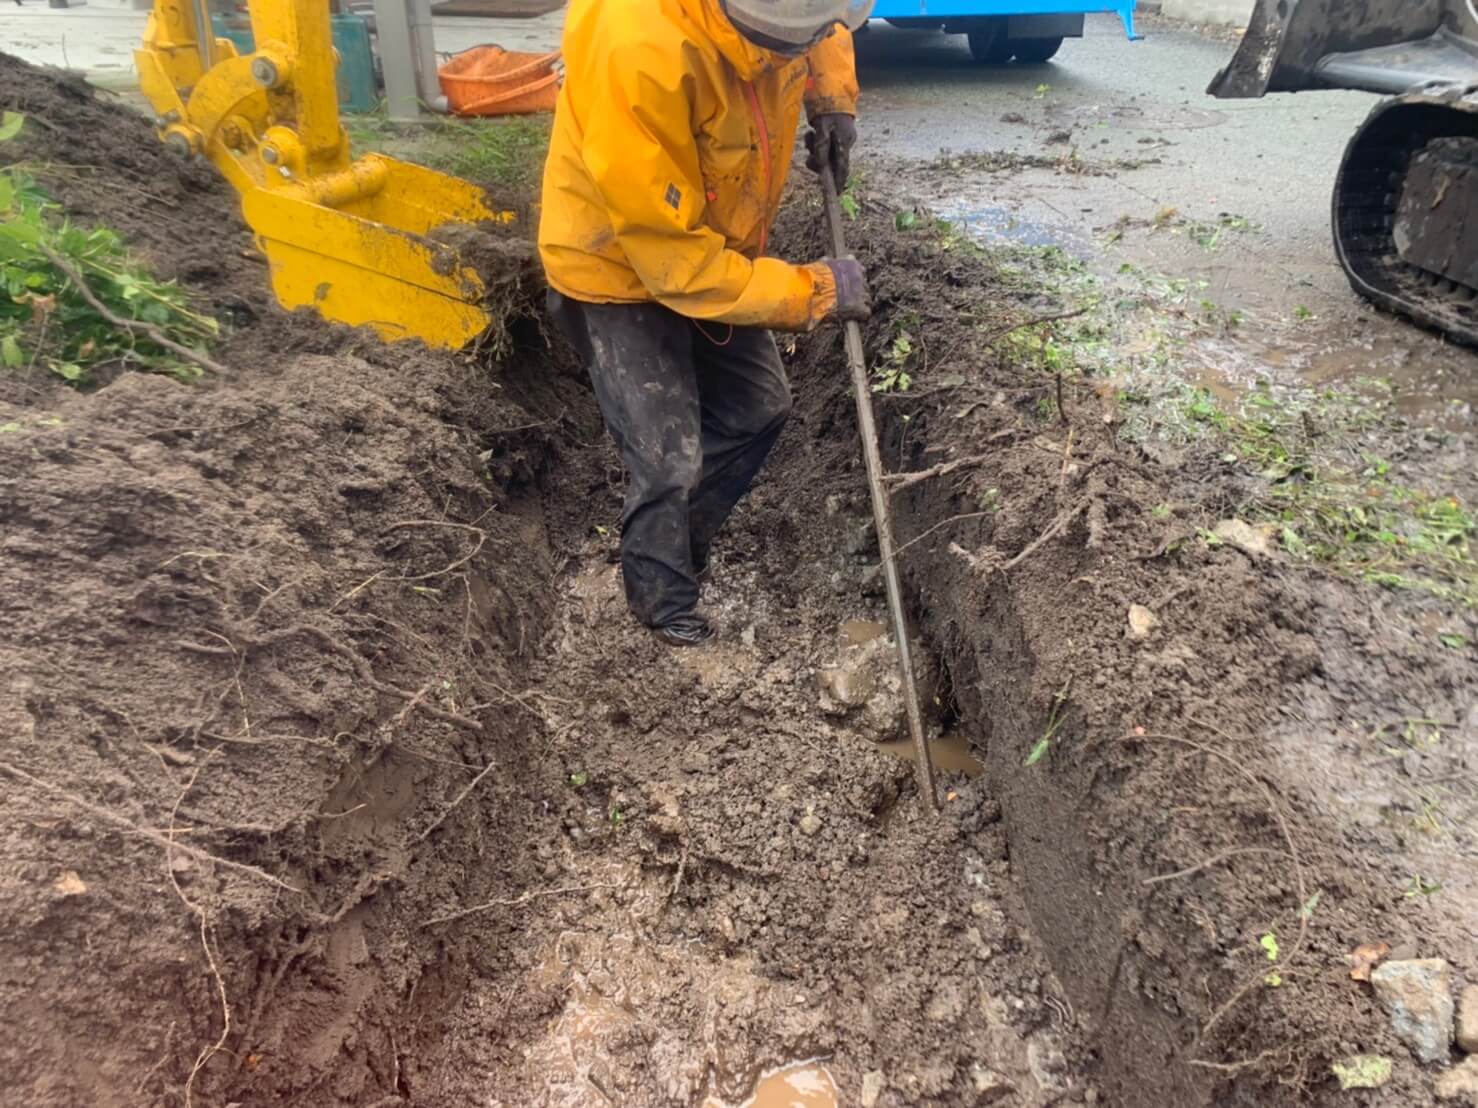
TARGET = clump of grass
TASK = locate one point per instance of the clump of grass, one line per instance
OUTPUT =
(506, 152)
(1357, 518)
(1386, 532)
(1210, 236)
(956, 237)
(44, 318)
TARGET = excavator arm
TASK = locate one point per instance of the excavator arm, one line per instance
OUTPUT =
(1385, 46)
(355, 239)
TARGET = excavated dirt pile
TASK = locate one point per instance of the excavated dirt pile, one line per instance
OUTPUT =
(337, 775)
(258, 637)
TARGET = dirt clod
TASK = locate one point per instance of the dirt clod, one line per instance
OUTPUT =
(1365, 958)
(1467, 1019)
(865, 688)
(70, 883)
(1244, 536)
(1142, 622)
(1460, 1083)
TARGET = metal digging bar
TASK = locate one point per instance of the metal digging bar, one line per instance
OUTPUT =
(881, 511)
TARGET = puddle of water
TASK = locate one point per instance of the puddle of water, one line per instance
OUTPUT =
(996, 224)
(798, 1085)
(1429, 382)
(1383, 356)
(949, 752)
(855, 632)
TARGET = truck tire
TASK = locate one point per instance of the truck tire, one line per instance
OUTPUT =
(990, 46)
(1035, 51)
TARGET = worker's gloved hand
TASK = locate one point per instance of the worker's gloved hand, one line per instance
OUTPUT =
(854, 298)
(829, 146)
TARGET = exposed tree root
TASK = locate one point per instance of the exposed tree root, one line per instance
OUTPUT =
(153, 836)
(515, 901)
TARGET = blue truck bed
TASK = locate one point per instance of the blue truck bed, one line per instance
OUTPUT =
(968, 15)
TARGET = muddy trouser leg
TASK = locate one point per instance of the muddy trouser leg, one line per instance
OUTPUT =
(745, 400)
(640, 358)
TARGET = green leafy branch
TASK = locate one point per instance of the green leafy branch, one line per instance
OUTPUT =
(72, 300)
(892, 374)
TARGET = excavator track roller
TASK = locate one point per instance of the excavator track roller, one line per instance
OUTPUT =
(1405, 209)
(1405, 204)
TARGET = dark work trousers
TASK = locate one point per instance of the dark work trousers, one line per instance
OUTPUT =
(694, 408)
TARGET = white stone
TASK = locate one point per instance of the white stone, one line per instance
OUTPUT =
(1417, 995)
(1142, 621)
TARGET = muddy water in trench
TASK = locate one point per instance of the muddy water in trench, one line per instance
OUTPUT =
(741, 881)
(801, 1085)
(949, 752)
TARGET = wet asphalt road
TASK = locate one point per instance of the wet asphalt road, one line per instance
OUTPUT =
(1269, 162)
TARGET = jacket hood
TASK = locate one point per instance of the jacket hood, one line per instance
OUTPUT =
(747, 59)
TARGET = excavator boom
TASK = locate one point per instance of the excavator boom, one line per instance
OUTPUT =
(1405, 205)
(355, 239)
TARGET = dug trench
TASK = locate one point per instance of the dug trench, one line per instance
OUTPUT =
(337, 774)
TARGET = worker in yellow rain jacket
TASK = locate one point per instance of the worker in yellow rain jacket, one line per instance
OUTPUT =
(671, 145)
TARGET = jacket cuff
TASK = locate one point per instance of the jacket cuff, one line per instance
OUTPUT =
(823, 294)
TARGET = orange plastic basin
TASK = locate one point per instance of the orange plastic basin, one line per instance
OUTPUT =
(488, 80)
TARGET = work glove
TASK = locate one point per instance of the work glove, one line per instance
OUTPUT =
(829, 146)
(854, 299)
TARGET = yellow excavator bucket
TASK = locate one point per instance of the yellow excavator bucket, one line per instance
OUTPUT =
(357, 240)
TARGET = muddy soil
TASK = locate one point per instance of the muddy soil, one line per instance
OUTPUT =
(259, 637)
(739, 880)
(1176, 816)
(338, 776)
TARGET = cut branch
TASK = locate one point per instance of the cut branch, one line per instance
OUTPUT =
(1056, 317)
(897, 481)
(1215, 860)
(137, 326)
(942, 523)
(1057, 525)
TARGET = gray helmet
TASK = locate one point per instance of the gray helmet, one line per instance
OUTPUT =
(790, 26)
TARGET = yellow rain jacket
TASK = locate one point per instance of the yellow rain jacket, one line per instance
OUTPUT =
(671, 145)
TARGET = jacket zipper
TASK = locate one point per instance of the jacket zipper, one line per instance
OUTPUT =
(759, 121)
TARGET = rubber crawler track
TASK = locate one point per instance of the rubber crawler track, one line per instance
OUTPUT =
(1366, 195)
